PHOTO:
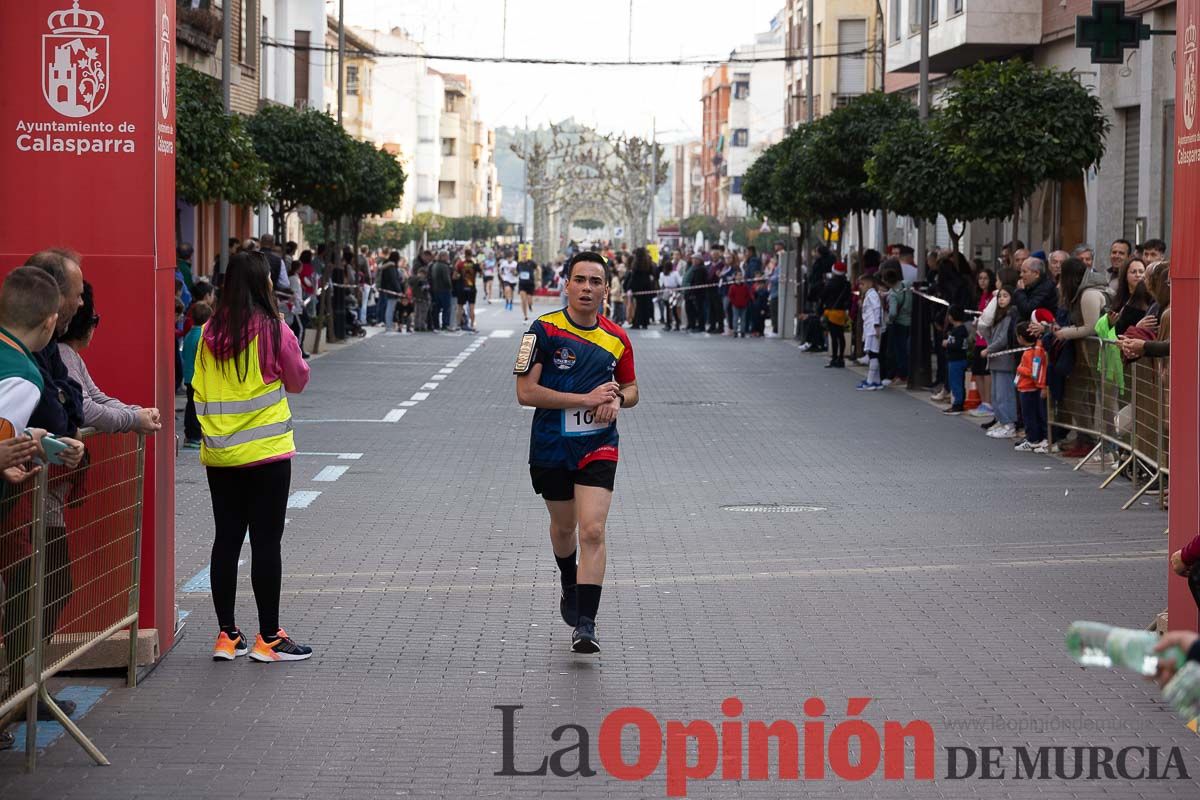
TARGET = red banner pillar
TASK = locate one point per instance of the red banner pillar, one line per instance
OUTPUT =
(1185, 313)
(87, 155)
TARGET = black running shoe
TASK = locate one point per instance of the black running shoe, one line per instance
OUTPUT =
(584, 639)
(568, 605)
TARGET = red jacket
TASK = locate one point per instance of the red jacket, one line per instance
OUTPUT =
(1029, 377)
(740, 295)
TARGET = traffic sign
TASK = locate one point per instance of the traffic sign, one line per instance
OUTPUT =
(618, 232)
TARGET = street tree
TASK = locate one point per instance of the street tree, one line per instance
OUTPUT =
(1014, 125)
(308, 156)
(913, 171)
(706, 224)
(373, 185)
(215, 158)
(761, 188)
(839, 147)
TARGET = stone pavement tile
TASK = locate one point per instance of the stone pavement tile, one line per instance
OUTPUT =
(936, 579)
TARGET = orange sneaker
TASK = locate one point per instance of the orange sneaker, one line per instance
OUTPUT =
(228, 648)
(281, 648)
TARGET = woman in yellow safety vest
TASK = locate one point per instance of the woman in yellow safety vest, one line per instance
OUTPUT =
(247, 362)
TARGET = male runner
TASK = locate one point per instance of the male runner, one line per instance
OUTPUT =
(467, 270)
(576, 368)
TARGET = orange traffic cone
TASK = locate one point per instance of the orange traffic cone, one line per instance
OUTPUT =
(973, 399)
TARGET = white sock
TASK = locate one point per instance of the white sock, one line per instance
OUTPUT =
(873, 371)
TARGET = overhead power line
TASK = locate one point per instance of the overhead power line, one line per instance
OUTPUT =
(675, 62)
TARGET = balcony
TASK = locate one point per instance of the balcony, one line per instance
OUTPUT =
(199, 28)
(982, 31)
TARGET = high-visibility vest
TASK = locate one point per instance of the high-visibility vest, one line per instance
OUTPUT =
(242, 421)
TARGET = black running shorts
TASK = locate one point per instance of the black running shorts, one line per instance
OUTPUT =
(528, 287)
(553, 483)
(468, 295)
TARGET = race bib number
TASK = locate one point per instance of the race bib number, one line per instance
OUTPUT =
(581, 422)
(526, 275)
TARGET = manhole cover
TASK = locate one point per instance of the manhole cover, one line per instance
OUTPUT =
(772, 508)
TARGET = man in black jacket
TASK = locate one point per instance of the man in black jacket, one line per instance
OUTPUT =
(1035, 289)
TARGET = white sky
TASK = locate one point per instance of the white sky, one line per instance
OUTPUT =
(617, 99)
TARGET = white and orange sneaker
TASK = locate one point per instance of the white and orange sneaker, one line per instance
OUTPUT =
(281, 648)
(229, 647)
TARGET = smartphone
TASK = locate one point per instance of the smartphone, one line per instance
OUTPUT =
(53, 447)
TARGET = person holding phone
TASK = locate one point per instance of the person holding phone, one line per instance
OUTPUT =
(247, 363)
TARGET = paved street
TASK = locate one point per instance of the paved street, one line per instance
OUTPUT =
(931, 569)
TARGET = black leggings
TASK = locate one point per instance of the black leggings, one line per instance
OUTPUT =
(837, 341)
(255, 498)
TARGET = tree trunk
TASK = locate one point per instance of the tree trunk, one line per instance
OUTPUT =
(1016, 218)
(955, 234)
(862, 244)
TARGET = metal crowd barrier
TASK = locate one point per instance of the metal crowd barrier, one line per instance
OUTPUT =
(69, 547)
(1121, 410)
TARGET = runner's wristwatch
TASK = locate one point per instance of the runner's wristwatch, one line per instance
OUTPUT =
(622, 396)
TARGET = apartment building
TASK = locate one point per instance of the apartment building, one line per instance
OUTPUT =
(1129, 196)
(756, 109)
(847, 57)
(714, 139)
(468, 162)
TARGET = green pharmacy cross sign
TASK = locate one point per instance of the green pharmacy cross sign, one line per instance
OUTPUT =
(1108, 31)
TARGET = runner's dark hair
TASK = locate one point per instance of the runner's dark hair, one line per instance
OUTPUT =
(247, 292)
(589, 256)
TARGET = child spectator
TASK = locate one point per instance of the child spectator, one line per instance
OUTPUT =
(759, 308)
(986, 281)
(872, 326)
(956, 344)
(740, 297)
(29, 301)
(1003, 367)
(1031, 388)
(200, 314)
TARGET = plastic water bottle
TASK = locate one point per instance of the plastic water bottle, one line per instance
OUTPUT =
(1183, 691)
(1095, 644)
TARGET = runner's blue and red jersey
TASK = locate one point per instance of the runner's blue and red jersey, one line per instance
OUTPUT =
(576, 360)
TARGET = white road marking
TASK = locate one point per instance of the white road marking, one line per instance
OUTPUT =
(445, 371)
(329, 474)
(438, 378)
(408, 403)
(341, 456)
(302, 498)
(314, 421)
(394, 415)
(502, 333)
(429, 385)
(420, 396)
